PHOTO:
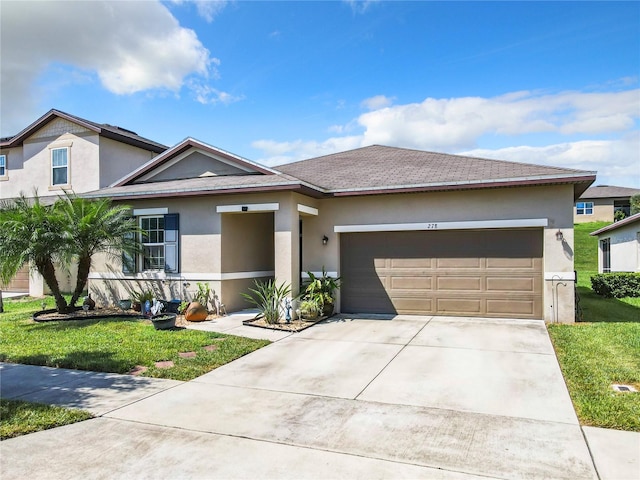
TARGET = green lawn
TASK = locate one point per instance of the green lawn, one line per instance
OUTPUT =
(602, 350)
(19, 418)
(112, 345)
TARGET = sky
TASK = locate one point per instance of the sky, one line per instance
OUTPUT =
(552, 83)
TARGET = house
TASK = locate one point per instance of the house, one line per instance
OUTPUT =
(409, 232)
(61, 152)
(599, 203)
(619, 246)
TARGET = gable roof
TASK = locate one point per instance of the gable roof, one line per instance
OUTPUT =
(380, 169)
(608, 191)
(621, 223)
(109, 131)
(185, 145)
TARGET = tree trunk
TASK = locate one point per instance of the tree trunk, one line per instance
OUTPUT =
(1, 303)
(84, 265)
(48, 272)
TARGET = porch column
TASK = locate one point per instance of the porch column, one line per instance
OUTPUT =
(287, 246)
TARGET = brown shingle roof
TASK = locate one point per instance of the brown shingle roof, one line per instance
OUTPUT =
(109, 131)
(607, 191)
(379, 167)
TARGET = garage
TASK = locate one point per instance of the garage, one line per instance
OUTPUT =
(484, 273)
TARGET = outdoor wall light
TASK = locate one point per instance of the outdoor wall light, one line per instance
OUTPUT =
(325, 240)
(559, 236)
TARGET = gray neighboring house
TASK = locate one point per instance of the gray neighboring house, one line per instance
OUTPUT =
(62, 152)
(619, 246)
(599, 203)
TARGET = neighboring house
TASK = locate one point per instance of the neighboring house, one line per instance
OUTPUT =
(599, 203)
(619, 246)
(409, 232)
(61, 152)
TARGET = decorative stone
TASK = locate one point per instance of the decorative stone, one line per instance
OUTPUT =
(164, 364)
(138, 370)
(195, 312)
(187, 354)
(211, 348)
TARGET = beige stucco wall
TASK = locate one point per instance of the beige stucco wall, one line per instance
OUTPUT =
(202, 250)
(624, 250)
(602, 211)
(195, 165)
(118, 159)
(247, 242)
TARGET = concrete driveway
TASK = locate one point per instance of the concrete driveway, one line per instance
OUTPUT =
(412, 397)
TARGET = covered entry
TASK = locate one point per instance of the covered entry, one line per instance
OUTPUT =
(485, 273)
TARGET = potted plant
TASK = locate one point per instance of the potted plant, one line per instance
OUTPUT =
(197, 309)
(161, 321)
(321, 291)
(140, 297)
(309, 309)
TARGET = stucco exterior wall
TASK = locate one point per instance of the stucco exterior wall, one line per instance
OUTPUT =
(203, 251)
(602, 211)
(32, 170)
(118, 159)
(624, 250)
(195, 165)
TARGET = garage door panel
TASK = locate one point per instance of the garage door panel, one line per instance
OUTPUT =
(411, 283)
(20, 282)
(458, 263)
(460, 283)
(511, 306)
(459, 306)
(483, 273)
(512, 284)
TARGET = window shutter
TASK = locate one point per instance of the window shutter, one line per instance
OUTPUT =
(171, 237)
(129, 259)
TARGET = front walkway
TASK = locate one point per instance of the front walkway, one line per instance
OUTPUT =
(412, 397)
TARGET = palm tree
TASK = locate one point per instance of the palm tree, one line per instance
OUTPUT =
(94, 226)
(32, 233)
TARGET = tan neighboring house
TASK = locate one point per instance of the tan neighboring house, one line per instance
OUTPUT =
(61, 152)
(599, 203)
(409, 232)
(619, 246)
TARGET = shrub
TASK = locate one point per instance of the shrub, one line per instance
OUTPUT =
(619, 215)
(616, 285)
(635, 204)
(269, 298)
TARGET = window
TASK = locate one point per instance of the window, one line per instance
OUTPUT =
(59, 166)
(3, 165)
(159, 245)
(584, 208)
(605, 247)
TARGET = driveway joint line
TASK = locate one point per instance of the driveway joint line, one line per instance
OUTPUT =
(593, 460)
(393, 358)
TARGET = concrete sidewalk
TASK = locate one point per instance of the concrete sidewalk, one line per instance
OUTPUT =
(412, 397)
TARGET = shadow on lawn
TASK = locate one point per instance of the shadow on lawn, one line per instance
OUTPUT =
(61, 325)
(78, 360)
(600, 309)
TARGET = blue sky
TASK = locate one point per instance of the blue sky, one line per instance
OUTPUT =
(537, 82)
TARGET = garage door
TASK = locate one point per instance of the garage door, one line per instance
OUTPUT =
(19, 283)
(485, 273)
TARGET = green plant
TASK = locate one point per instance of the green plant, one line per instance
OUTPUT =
(619, 215)
(616, 285)
(142, 296)
(182, 307)
(269, 298)
(202, 295)
(321, 290)
(635, 204)
(309, 308)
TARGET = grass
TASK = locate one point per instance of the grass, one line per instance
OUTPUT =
(601, 350)
(112, 345)
(19, 418)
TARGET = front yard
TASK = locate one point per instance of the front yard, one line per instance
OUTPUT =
(602, 350)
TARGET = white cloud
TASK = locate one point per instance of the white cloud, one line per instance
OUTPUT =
(360, 6)
(207, 9)
(377, 102)
(131, 47)
(459, 125)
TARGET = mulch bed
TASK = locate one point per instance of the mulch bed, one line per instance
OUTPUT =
(98, 313)
(293, 326)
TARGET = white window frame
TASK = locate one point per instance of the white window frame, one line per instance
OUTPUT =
(3, 166)
(67, 166)
(586, 209)
(146, 243)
